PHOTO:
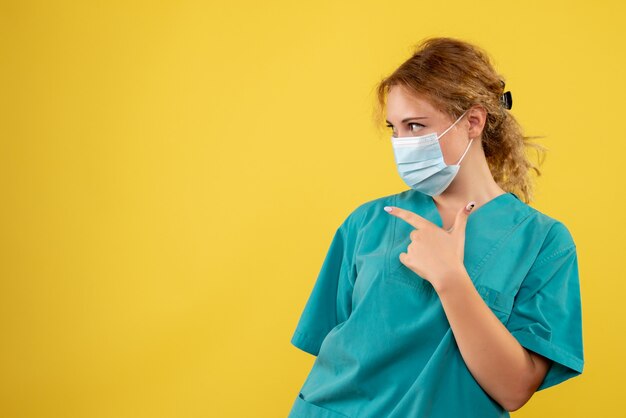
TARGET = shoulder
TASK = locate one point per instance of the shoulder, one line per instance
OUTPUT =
(553, 235)
(371, 210)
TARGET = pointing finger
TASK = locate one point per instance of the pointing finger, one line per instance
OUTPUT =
(410, 217)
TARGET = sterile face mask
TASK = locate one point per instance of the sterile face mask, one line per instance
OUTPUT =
(420, 162)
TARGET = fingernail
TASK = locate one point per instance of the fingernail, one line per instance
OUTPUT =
(470, 206)
(387, 208)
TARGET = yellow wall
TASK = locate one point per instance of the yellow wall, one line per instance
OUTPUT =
(172, 172)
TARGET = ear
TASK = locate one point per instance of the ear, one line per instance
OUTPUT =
(477, 117)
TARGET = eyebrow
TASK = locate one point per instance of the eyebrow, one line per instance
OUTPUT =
(408, 119)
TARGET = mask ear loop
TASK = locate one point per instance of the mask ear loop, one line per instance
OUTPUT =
(457, 121)
(470, 143)
(466, 149)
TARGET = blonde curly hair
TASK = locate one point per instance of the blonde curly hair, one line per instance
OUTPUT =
(456, 75)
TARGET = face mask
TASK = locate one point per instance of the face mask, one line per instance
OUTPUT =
(420, 162)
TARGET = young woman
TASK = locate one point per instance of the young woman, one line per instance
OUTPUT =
(453, 298)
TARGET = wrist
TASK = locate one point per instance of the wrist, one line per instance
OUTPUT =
(452, 279)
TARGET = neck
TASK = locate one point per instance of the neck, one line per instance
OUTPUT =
(473, 181)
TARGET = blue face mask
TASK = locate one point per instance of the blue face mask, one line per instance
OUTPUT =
(420, 162)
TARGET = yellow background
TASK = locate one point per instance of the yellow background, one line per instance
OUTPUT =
(172, 173)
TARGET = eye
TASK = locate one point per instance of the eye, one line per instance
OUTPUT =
(417, 124)
(413, 123)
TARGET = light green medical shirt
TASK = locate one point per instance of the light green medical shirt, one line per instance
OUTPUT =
(382, 341)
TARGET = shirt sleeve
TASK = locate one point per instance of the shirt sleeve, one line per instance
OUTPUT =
(330, 301)
(546, 316)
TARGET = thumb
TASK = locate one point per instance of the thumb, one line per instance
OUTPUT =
(461, 218)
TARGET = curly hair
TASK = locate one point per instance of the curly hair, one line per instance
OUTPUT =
(456, 75)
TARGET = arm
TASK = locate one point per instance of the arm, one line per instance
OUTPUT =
(508, 372)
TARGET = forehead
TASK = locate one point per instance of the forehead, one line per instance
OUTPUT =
(402, 103)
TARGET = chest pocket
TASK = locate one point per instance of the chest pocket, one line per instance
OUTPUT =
(397, 272)
(499, 303)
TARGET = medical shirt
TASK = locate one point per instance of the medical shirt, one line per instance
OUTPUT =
(382, 341)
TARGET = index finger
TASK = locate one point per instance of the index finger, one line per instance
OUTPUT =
(411, 218)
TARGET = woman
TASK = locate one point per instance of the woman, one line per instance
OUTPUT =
(453, 298)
